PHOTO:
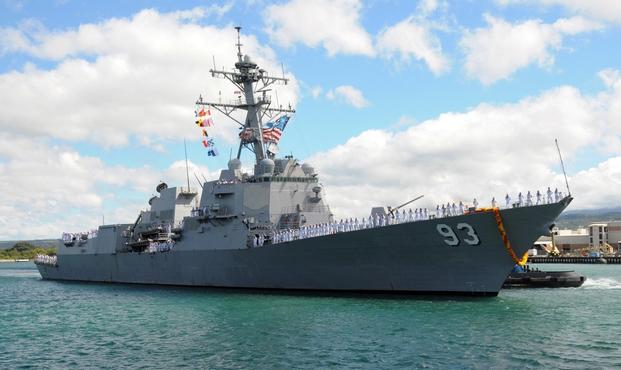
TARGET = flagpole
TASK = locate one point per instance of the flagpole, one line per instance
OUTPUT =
(562, 166)
(187, 170)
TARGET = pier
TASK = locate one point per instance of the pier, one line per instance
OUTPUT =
(592, 260)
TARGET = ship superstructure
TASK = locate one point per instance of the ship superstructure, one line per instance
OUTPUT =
(272, 228)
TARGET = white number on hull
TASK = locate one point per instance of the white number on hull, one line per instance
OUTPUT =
(450, 238)
(449, 235)
(474, 238)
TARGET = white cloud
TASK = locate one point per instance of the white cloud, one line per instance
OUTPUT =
(316, 92)
(123, 78)
(496, 52)
(349, 94)
(412, 38)
(486, 151)
(586, 184)
(332, 24)
(427, 6)
(110, 82)
(47, 189)
(606, 10)
(610, 77)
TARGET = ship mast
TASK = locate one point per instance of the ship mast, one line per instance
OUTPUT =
(250, 80)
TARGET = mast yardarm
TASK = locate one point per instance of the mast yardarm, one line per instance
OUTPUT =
(251, 81)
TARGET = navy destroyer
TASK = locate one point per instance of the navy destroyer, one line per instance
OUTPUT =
(272, 228)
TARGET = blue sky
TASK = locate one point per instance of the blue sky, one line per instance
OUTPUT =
(376, 82)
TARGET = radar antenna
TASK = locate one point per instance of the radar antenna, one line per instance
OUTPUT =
(249, 79)
(239, 45)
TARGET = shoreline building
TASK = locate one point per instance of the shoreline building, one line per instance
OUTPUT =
(596, 235)
(603, 233)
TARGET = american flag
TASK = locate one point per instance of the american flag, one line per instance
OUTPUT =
(273, 129)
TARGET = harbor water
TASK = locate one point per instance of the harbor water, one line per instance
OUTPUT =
(47, 324)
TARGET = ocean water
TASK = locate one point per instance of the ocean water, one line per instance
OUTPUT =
(46, 324)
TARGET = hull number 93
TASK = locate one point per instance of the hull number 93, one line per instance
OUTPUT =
(466, 232)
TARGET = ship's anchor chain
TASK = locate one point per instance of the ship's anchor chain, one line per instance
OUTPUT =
(505, 239)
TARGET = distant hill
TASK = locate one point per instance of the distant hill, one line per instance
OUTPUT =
(576, 219)
(44, 243)
(24, 250)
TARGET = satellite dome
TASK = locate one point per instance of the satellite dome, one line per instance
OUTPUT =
(248, 61)
(308, 169)
(161, 186)
(235, 164)
(267, 166)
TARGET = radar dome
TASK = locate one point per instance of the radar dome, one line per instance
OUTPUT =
(308, 169)
(267, 166)
(234, 164)
(161, 187)
(249, 61)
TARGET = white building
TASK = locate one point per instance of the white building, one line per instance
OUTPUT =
(571, 240)
(612, 234)
(596, 235)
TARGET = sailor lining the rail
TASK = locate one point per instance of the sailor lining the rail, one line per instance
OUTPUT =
(493, 202)
(549, 193)
(475, 203)
(529, 199)
(520, 199)
(556, 195)
(538, 197)
(507, 200)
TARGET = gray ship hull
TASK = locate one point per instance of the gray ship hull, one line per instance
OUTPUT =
(404, 258)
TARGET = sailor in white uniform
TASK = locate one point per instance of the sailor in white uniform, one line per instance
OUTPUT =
(493, 202)
(475, 203)
(461, 208)
(549, 194)
(520, 199)
(529, 199)
(556, 195)
(507, 200)
(538, 197)
(437, 211)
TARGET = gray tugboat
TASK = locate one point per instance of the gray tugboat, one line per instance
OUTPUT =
(272, 229)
